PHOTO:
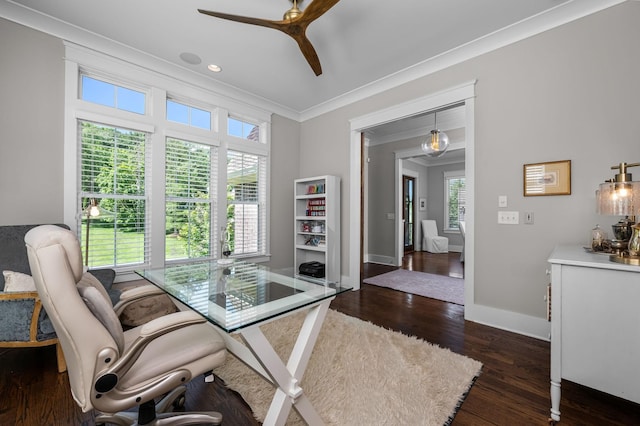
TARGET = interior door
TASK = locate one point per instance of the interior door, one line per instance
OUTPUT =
(408, 211)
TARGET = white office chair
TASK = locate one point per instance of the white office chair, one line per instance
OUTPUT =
(431, 241)
(111, 370)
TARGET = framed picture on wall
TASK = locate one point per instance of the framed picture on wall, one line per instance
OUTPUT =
(550, 178)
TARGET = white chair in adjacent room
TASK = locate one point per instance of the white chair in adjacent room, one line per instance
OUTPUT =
(431, 241)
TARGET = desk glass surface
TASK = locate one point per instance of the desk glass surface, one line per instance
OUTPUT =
(239, 294)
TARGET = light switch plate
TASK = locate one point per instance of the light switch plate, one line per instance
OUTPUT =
(502, 201)
(508, 218)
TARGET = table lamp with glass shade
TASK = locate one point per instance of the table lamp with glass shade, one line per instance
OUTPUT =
(620, 196)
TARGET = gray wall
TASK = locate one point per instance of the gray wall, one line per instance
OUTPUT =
(285, 137)
(568, 93)
(31, 126)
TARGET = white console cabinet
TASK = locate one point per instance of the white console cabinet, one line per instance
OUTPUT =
(595, 324)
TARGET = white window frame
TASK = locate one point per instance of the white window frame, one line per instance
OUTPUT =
(157, 88)
(455, 174)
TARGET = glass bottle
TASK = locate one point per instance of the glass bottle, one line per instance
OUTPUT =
(634, 241)
(597, 238)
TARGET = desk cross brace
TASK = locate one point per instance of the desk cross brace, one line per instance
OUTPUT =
(262, 358)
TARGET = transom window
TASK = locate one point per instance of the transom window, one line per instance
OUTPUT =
(243, 129)
(111, 95)
(188, 115)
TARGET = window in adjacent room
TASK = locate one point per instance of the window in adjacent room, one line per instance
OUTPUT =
(454, 199)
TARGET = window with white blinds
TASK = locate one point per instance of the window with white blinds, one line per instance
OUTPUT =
(454, 203)
(173, 172)
(246, 203)
(188, 170)
(113, 167)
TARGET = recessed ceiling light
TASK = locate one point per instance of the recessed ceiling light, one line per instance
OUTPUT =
(214, 68)
(190, 58)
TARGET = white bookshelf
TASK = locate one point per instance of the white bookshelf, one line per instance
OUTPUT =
(317, 223)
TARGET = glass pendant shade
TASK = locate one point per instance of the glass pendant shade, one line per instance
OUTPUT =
(435, 144)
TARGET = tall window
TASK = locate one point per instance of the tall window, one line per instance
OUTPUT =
(246, 209)
(454, 203)
(188, 199)
(166, 181)
(112, 169)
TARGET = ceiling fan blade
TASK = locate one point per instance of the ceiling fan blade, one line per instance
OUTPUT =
(244, 19)
(309, 53)
(316, 9)
(295, 27)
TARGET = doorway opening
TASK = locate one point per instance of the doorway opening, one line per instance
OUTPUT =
(463, 95)
(408, 212)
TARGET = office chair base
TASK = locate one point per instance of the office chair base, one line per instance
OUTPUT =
(163, 414)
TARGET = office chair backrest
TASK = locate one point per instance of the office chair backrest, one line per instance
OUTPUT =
(55, 259)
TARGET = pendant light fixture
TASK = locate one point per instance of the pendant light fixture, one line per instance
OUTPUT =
(436, 142)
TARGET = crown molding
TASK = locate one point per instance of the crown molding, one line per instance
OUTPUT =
(81, 37)
(557, 16)
(544, 21)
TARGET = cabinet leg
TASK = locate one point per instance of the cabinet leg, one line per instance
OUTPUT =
(555, 402)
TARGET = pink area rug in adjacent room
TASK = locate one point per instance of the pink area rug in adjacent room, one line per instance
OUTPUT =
(439, 287)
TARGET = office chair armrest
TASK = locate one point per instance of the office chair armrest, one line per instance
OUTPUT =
(108, 378)
(134, 294)
(168, 323)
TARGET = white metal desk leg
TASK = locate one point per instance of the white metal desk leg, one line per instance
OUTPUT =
(286, 378)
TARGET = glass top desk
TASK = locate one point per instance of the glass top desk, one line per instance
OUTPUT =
(237, 297)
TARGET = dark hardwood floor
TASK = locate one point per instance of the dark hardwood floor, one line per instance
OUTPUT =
(513, 388)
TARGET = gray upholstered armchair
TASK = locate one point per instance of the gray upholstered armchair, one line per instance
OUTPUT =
(112, 370)
(23, 322)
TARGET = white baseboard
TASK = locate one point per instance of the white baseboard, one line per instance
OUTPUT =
(514, 322)
(377, 258)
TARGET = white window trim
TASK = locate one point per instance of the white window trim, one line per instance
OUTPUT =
(155, 86)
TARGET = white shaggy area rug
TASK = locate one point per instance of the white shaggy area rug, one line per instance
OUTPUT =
(439, 287)
(362, 374)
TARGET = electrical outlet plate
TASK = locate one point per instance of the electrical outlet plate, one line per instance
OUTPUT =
(508, 218)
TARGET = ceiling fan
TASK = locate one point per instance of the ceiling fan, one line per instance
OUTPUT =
(294, 23)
